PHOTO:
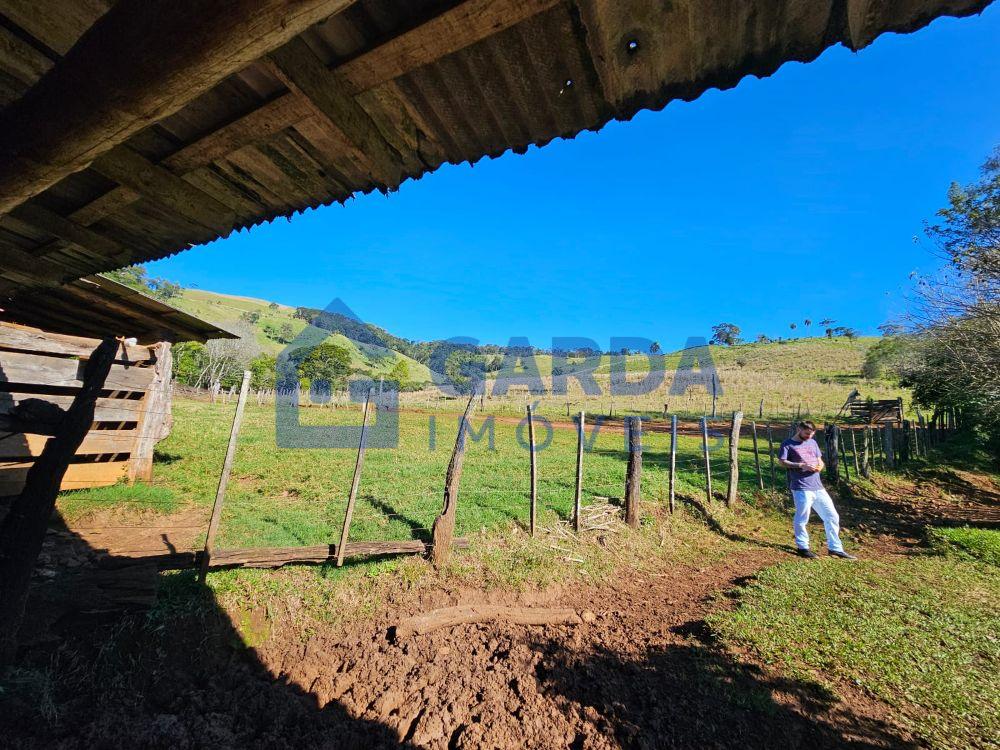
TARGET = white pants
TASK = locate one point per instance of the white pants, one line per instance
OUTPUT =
(819, 500)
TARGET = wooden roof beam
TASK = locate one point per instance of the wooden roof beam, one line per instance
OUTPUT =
(449, 32)
(305, 74)
(141, 61)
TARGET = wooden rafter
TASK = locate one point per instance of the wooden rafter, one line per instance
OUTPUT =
(141, 61)
(463, 25)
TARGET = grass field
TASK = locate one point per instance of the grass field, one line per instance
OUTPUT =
(918, 633)
(285, 497)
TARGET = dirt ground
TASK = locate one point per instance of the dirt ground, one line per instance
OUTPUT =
(640, 671)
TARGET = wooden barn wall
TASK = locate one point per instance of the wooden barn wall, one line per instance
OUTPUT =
(40, 373)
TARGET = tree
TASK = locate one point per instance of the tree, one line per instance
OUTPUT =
(725, 334)
(250, 316)
(793, 326)
(189, 361)
(263, 369)
(400, 372)
(807, 322)
(763, 338)
(328, 363)
(956, 317)
(654, 348)
(829, 333)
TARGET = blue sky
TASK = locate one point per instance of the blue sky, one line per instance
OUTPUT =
(798, 196)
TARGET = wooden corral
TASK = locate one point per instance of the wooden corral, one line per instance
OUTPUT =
(41, 370)
(134, 129)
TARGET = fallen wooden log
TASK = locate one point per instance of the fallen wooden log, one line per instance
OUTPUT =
(449, 617)
(274, 557)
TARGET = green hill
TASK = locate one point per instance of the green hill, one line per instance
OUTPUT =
(274, 326)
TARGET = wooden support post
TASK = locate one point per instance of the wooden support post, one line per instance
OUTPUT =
(633, 472)
(733, 489)
(444, 524)
(890, 449)
(708, 463)
(854, 451)
(534, 470)
(579, 471)
(24, 526)
(155, 419)
(358, 464)
(227, 467)
(843, 458)
(673, 463)
(760, 410)
(770, 453)
(866, 466)
(832, 455)
(756, 456)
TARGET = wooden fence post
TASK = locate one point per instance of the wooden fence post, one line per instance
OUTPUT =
(708, 463)
(760, 410)
(534, 470)
(854, 452)
(23, 529)
(349, 513)
(673, 462)
(843, 458)
(715, 394)
(890, 449)
(756, 456)
(227, 467)
(733, 489)
(832, 457)
(633, 473)
(770, 453)
(579, 472)
(866, 465)
(444, 525)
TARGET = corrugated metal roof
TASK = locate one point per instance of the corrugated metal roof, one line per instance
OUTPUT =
(436, 80)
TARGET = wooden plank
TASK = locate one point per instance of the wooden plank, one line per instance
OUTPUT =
(466, 24)
(227, 467)
(40, 369)
(733, 488)
(673, 463)
(23, 528)
(28, 412)
(155, 419)
(444, 525)
(756, 456)
(707, 460)
(69, 230)
(633, 472)
(96, 442)
(77, 476)
(275, 557)
(299, 68)
(129, 168)
(356, 481)
(577, 495)
(533, 472)
(451, 31)
(28, 339)
(142, 61)
(770, 453)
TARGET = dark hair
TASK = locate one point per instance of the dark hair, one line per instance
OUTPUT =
(805, 424)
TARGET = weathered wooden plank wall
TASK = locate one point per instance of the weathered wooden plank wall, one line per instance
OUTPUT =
(39, 376)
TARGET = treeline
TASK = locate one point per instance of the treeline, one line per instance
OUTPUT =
(948, 347)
